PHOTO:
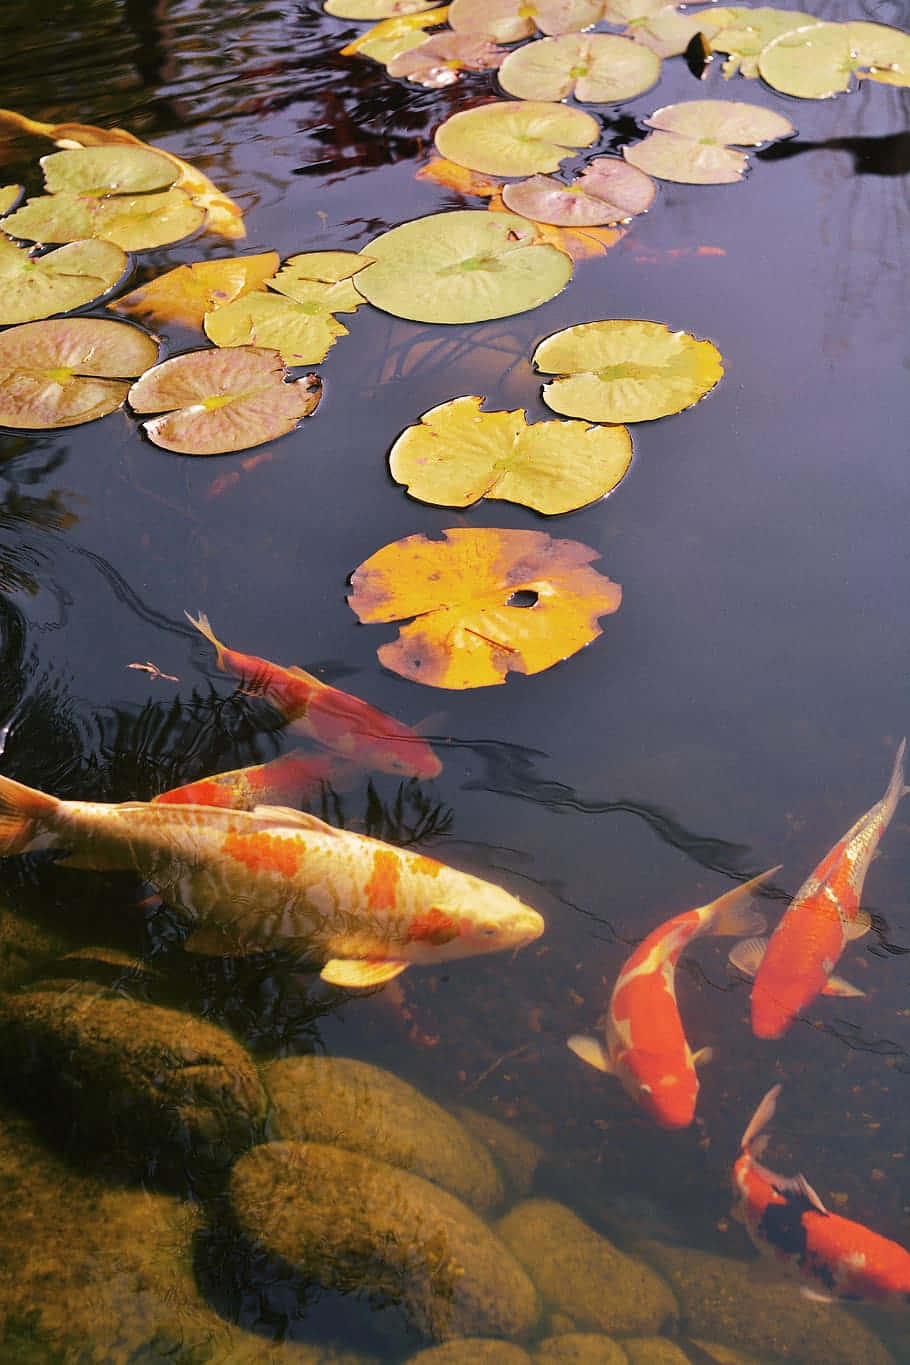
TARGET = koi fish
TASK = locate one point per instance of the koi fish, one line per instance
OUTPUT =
(343, 723)
(646, 1047)
(786, 1220)
(289, 780)
(796, 963)
(250, 881)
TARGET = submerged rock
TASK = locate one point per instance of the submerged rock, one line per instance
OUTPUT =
(516, 1155)
(731, 1302)
(472, 1351)
(25, 946)
(580, 1274)
(362, 1108)
(350, 1223)
(142, 1085)
(579, 1348)
(654, 1351)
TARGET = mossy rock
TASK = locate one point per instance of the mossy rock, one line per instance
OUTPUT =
(25, 946)
(579, 1273)
(516, 1155)
(138, 1086)
(579, 1348)
(472, 1351)
(723, 1355)
(362, 1108)
(654, 1351)
(353, 1224)
(730, 1301)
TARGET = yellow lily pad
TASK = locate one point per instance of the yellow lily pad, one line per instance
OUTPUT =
(133, 222)
(508, 21)
(73, 276)
(744, 34)
(215, 401)
(184, 295)
(67, 371)
(485, 601)
(512, 138)
(597, 68)
(690, 144)
(458, 454)
(819, 60)
(9, 197)
(626, 370)
(107, 170)
(388, 39)
(608, 190)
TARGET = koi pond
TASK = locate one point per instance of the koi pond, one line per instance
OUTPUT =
(237, 1131)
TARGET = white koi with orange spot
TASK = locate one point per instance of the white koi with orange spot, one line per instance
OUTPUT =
(646, 1046)
(275, 878)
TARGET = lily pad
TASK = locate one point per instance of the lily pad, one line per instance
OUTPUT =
(597, 68)
(60, 281)
(9, 197)
(667, 31)
(375, 9)
(217, 401)
(136, 223)
(744, 33)
(458, 454)
(390, 38)
(690, 144)
(463, 266)
(608, 190)
(467, 594)
(818, 61)
(508, 21)
(107, 170)
(437, 61)
(67, 371)
(509, 138)
(184, 295)
(625, 370)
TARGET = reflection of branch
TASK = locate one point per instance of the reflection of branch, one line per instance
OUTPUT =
(871, 155)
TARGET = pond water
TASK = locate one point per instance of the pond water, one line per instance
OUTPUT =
(741, 709)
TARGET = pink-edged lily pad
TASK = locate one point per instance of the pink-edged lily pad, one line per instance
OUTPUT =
(690, 141)
(222, 400)
(597, 68)
(508, 21)
(437, 62)
(609, 190)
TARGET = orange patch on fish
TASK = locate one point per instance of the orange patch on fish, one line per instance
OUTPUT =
(382, 888)
(263, 852)
(433, 926)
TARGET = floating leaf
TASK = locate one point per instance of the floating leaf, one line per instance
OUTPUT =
(455, 177)
(744, 33)
(67, 371)
(463, 266)
(579, 244)
(690, 145)
(184, 295)
(508, 138)
(107, 170)
(9, 197)
(817, 61)
(608, 190)
(597, 68)
(218, 401)
(510, 20)
(437, 62)
(666, 31)
(458, 454)
(300, 324)
(625, 370)
(466, 594)
(73, 276)
(391, 37)
(375, 9)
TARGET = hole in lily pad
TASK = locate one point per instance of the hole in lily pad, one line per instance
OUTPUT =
(525, 597)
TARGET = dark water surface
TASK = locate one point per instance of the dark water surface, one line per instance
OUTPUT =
(741, 709)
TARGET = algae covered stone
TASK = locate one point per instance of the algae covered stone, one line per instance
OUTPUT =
(654, 1351)
(353, 1224)
(365, 1109)
(472, 1351)
(516, 1155)
(579, 1348)
(581, 1274)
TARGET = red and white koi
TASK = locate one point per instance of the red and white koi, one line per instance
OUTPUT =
(797, 963)
(646, 1047)
(271, 878)
(788, 1222)
(343, 723)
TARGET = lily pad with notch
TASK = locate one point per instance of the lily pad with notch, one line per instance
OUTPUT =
(691, 141)
(597, 68)
(744, 34)
(34, 286)
(821, 60)
(515, 138)
(508, 21)
(184, 295)
(608, 190)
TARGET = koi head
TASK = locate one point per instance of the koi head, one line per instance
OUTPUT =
(666, 1093)
(468, 918)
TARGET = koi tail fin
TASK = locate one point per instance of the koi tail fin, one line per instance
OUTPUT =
(23, 811)
(732, 914)
(202, 624)
(751, 1140)
(897, 787)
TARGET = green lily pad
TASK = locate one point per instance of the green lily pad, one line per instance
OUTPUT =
(744, 33)
(690, 144)
(458, 454)
(116, 169)
(818, 61)
(626, 370)
(71, 277)
(375, 9)
(218, 401)
(9, 197)
(509, 138)
(597, 68)
(608, 190)
(464, 266)
(69, 370)
(438, 60)
(508, 21)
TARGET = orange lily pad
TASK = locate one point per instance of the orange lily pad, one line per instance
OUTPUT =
(184, 296)
(484, 602)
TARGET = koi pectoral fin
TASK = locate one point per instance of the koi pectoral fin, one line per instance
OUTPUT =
(836, 985)
(590, 1051)
(703, 1056)
(746, 955)
(361, 971)
(859, 925)
(814, 1295)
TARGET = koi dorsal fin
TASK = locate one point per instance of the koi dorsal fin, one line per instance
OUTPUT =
(304, 676)
(299, 819)
(746, 955)
(761, 1118)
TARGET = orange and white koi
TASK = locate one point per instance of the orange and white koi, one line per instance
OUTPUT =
(250, 881)
(338, 720)
(291, 779)
(797, 963)
(787, 1221)
(646, 1047)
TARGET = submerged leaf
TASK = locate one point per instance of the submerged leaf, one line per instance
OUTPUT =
(217, 401)
(458, 454)
(437, 62)
(625, 370)
(509, 138)
(184, 295)
(71, 277)
(375, 9)
(467, 596)
(72, 370)
(819, 60)
(510, 20)
(463, 266)
(690, 144)
(596, 68)
(455, 177)
(608, 190)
